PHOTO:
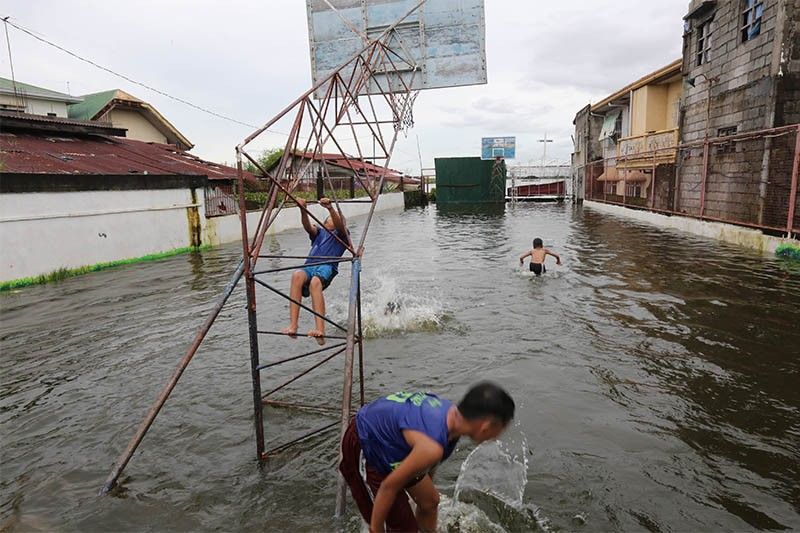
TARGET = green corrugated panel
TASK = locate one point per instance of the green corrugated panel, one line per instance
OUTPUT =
(7, 86)
(469, 180)
(91, 105)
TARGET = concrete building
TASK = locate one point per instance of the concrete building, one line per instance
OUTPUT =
(76, 194)
(621, 141)
(142, 121)
(741, 64)
(25, 98)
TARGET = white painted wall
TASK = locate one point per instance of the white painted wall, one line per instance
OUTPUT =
(35, 106)
(750, 238)
(42, 232)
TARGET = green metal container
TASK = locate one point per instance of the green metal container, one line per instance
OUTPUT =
(470, 180)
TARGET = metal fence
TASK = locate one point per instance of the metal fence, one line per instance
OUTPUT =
(748, 179)
(220, 200)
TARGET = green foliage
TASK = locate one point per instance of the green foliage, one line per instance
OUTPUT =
(267, 158)
(792, 251)
(64, 273)
(432, 195)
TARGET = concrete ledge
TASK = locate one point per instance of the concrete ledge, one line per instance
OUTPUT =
(747, 237)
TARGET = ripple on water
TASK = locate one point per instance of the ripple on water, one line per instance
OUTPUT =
(652, 374)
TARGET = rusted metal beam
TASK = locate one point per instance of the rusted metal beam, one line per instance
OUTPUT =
(704, 178)
(144, 426)
(347, 389)
(793, 190)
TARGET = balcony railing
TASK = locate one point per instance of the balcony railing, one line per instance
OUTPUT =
(648, 150)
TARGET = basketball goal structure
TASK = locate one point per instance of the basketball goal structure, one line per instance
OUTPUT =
(369, 60)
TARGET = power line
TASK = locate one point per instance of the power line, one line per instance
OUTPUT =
(129, 79)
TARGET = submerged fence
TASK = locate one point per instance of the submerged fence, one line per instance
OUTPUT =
(748, 179)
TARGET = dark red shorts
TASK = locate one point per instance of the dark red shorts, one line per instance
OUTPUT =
(364, 482)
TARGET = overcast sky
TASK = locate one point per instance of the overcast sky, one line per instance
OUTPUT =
(248, 59)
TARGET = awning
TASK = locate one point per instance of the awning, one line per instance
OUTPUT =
(609, 124)
(634, 177)
(610, 174)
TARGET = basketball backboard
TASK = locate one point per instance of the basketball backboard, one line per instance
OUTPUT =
(443, 40)
(493, 147)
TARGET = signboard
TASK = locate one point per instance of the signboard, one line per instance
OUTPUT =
(442, 43)
(493, 147)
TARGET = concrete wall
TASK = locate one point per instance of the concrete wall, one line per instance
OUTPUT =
(587, 148)
(42, 232)
(746, 237)
(138, 126)
(750, 87)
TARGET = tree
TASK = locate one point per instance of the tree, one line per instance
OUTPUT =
(267, 158)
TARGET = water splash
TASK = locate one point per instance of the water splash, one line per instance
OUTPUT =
(491, 487)
(389, 309)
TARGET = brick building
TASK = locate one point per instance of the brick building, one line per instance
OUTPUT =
(741, 60)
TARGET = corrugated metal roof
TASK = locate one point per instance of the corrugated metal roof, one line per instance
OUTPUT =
(32, 91)
(91, 105)
(24, 153)
(7, 118)
(353, 163)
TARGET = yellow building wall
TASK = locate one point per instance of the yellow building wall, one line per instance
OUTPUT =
(673, 104)
(139, 128)
(654, 108)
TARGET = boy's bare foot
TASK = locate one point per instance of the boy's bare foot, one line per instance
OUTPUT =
(290, 331)
(318, 335)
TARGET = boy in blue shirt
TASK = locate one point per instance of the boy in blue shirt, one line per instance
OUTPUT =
(313, 279)
(393, 444)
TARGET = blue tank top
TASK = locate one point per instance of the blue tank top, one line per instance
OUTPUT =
(324, 244)
(380, 426)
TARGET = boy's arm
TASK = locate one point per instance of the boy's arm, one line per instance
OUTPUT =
(425, 453)
(337, 220)
(558, 258)
(307, 225)
(523, 256)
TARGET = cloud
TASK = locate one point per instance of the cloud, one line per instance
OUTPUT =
(248, 60)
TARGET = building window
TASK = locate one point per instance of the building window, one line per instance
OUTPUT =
(728, 147)
(704, 43)
(751, 19)
(633, 189)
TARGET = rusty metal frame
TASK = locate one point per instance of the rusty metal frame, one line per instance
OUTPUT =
(347, 103)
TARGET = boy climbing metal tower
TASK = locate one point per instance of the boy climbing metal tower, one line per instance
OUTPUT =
(327, 241)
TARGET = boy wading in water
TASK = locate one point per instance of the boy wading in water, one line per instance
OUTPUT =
(538, 255)
(393, 444)
(313, 279)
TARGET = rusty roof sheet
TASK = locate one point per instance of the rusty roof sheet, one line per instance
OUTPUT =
(25, 153)
(353, 163)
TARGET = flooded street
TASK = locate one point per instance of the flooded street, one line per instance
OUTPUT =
(656, 376)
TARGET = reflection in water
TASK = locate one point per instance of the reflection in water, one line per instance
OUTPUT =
(655, 376)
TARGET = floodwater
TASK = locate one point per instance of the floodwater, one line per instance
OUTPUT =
(656, 377)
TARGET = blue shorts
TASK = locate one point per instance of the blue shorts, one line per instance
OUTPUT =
(325, 273)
